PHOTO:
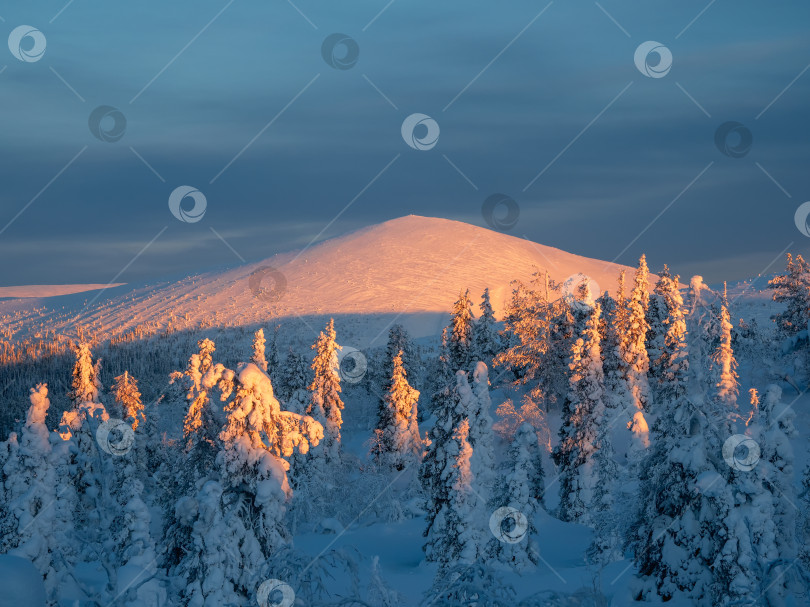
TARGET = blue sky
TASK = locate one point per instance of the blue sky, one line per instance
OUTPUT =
(219, 72)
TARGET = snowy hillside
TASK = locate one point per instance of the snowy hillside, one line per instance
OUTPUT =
(413, 266)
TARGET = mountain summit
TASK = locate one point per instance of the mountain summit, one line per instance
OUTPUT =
(411, 266)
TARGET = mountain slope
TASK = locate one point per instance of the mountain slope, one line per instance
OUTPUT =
(412, 266)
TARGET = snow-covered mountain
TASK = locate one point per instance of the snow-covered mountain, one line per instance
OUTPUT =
(412, 268)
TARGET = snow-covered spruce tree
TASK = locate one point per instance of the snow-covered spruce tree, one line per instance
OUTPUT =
(674, 537)
(634, 351)
(773, 428)
(293, 375)
(803, 523)
(441, 376)
(126, 394)
(272, 359)
(109, 522)
(520, 485)
(86, 385)
(702, 333)
(793, 289)
(222, 534)
(616, 370)
(528, 334)
(398, 340)
(664, 301)
(585, 454)
(724, 371)
(486, 339)
(481, 434)
(27, 510)
(325, 402)
(683, 497)
(400, 444)
(461, 332)
(453, 508)
(258, 345)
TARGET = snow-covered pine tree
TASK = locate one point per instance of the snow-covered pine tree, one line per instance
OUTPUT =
(293, 375)
(486, 339)
(585, 454)
(325, 402)
(126, 394)
(520, 486)
(461, 332)
(400, 443)
(258, 357)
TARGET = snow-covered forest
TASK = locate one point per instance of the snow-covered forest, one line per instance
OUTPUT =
(642, 447)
